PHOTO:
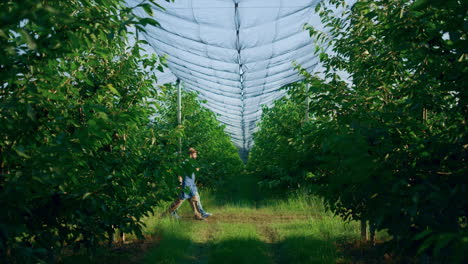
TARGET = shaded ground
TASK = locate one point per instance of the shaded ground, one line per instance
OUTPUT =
(131, 252)
(246, 229)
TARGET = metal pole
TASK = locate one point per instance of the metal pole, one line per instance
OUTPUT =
(179, 103)
(179, 111)
(306, 119)
(307, 101)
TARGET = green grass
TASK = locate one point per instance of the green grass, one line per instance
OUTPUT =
(313, 240)
(176, 237)
(238, 244)
(245, 229)
(247, 226)
(295, 229)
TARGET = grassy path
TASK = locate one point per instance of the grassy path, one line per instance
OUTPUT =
(294, 230)
(244, 228)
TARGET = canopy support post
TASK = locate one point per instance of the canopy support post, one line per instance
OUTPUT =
(307, 102)
(179, 111)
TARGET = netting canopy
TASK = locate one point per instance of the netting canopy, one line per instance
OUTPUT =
(237, 54)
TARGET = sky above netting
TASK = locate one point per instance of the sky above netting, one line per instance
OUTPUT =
(237, 54)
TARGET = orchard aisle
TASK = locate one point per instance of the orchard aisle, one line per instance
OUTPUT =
(245, 229)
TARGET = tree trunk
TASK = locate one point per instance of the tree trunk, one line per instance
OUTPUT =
(372, 233)
(363, 230)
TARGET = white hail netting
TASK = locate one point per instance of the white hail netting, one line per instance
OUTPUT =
(236, 54)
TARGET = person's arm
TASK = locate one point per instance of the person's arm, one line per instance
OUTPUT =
(180, 180)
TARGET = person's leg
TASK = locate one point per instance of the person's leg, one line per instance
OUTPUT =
(175, 215)
(174, 206)
(200, 207)
(193, 203)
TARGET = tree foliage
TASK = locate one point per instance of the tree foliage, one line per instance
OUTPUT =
(391, 147)
(218, 157)
(273, 158)
(77, 155)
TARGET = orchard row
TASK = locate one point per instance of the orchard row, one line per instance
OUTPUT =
(382, 135)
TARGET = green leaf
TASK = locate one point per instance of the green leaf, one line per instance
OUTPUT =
(28, 39)
(112, 89)
(2, 34)
(86, 195)
(422, 235)
(158, 5)
(147, 8)
(149, 21)
(21, 152)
